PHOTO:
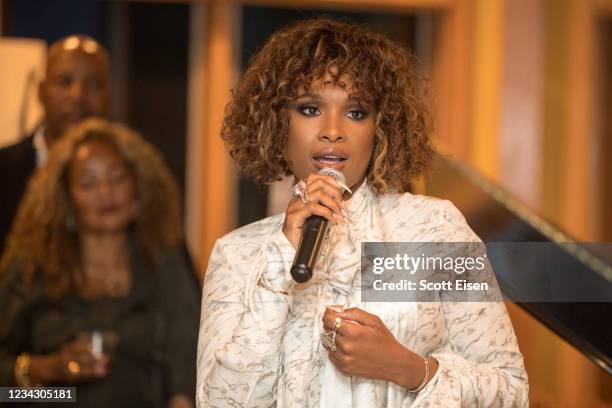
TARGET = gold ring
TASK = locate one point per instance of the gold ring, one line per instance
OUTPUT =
(329, 340)
(337, 323)
(74, 367)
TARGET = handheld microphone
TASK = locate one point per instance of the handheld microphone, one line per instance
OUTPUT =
(313, 235)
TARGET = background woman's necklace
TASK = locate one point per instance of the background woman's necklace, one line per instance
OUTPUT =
(107, 279)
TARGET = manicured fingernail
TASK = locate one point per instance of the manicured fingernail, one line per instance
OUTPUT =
(344, 186)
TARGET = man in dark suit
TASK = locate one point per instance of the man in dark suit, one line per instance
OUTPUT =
(75, 87)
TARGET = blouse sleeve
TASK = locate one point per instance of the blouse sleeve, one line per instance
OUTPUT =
(242, 323)
(15, 300)
(482, 366)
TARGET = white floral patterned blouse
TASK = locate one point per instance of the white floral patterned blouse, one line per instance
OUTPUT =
(259, 348)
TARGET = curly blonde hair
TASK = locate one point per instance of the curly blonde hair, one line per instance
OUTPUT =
(42, 240)
(382, 72)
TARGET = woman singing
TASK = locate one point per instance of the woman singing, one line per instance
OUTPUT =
(325, 94)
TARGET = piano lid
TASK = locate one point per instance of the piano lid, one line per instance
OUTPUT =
(564, 284)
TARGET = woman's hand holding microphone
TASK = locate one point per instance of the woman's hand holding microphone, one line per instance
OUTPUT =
(322, 195)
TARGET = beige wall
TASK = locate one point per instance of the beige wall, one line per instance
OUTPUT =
(18, 86)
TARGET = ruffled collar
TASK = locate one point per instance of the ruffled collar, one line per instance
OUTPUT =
(359, 200)
(336, 281)
(340, 259)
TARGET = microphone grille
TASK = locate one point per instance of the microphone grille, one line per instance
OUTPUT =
(335, 174)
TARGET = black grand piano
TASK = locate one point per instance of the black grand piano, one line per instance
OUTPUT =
(566, 285)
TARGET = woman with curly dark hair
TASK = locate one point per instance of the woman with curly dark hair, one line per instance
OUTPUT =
(94, 288)
(323, 94)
